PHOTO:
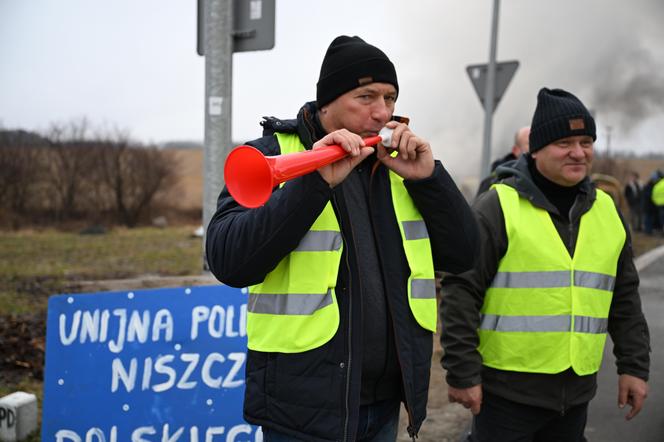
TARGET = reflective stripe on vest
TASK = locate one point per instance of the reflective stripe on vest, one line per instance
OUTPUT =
(288, 304)
(526, 280)
(295, 308)
(563, 323)
(546, 311)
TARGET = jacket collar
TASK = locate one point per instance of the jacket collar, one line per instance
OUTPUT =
(309, 127)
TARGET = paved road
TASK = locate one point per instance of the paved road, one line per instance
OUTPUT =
(606, 422)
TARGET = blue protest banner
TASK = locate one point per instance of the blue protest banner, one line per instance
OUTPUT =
(147, 365)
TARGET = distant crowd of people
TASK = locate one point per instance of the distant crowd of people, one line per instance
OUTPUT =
(646, 203)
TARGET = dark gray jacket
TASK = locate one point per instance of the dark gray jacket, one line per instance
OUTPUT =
(463, 296)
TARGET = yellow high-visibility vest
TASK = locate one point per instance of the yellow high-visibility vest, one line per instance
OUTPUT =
(295, 308)
(658, 193)
(545, 310)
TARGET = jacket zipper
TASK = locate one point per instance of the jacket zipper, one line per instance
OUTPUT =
(350, 334)
(571, 241)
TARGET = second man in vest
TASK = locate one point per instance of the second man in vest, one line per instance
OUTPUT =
(524, 331)
(340, 263)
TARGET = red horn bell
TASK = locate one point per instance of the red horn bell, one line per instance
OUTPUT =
(250, 176)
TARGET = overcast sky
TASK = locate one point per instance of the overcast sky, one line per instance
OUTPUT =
(132, 65)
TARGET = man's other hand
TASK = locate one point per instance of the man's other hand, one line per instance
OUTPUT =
(631, 391)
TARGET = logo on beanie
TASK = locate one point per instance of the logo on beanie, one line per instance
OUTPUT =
(577, 124)
(364, 80)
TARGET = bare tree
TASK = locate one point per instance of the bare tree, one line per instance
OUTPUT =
(20, 153)
(71, 156)
(75, 175)
(134, 175)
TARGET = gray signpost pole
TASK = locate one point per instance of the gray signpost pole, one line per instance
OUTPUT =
(489, 94)
(218, 43)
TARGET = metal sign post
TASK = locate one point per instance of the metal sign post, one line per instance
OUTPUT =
(489, 93)
(490, 81)
(218, 99)
(225, 26)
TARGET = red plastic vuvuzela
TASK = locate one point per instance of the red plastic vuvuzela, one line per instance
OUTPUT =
(250, 176)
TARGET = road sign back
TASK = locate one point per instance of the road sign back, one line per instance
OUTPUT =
(504, 73)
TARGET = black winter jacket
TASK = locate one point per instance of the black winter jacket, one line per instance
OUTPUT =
(486, 183)
(314, 395)
(463, 296)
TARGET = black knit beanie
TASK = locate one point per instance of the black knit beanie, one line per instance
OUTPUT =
(559, 114)
(351, 62)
